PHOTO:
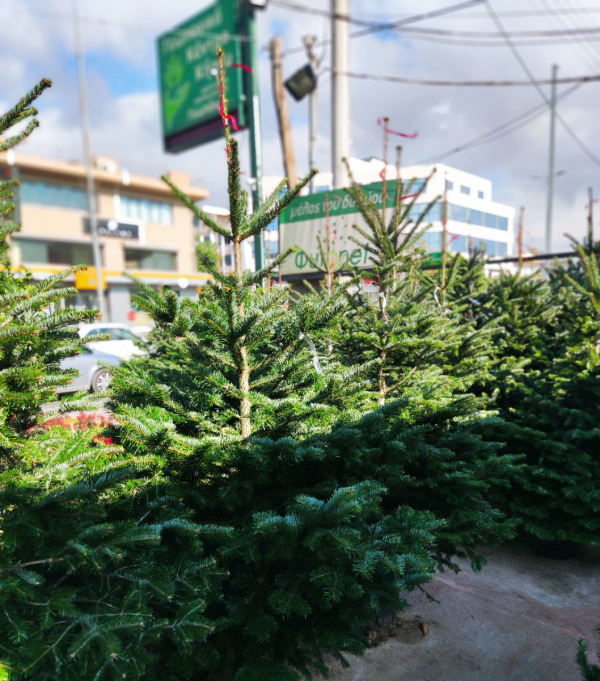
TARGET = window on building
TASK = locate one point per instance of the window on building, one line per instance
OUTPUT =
(227, 260)
(160, 212)
(490, 220)
(503, 224)
(433, 214)
(449, 185)
(465, 190)
(476, 218)
(457, 243)
(54, 252)
(458, 213)
(491, 248)
(432, 241)
(149, 260)
(52, 194)
(479, 195)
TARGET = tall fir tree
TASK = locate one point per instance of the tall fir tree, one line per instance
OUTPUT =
(96, 568)
(246, 419)
(426, 443)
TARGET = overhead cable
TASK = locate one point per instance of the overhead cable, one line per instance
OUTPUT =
(390, 26)
(500, 131)
(537, 84)
(466, 83)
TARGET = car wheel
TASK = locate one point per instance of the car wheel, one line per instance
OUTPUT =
(101, 380)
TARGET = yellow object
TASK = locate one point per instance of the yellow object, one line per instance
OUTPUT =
(85, 280)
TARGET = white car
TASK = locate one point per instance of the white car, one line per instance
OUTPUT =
(94, 369)
(122, 341)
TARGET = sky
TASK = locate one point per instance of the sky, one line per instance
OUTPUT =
(36, 40)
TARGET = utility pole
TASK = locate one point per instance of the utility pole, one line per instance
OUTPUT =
(252, 93)
(283, 115)
(590, 221)
(520, 237)
(85, 135)
(340, 93)
(309, 41)
(551, 161)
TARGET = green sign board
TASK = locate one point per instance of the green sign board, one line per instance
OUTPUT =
(304, 219)
(187, 58)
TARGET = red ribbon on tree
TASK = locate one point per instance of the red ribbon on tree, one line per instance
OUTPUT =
(241, 66)
(225, 117)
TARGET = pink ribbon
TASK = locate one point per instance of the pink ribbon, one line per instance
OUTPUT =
(381, 121)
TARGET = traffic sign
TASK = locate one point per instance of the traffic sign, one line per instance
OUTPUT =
(187, 57)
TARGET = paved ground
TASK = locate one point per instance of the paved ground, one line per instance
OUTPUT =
(518, 620)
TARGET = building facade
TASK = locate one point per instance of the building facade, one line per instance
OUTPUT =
(144, 230)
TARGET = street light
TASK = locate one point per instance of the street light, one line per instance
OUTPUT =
(302, 83)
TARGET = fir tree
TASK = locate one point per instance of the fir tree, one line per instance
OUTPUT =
(247, 420)
(555, 423)
(95, 566)
(427, 443)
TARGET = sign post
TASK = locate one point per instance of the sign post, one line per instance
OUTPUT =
(187, 57)
(252, 90)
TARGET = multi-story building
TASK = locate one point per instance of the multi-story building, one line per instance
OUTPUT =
(144, 230)
(473, 219)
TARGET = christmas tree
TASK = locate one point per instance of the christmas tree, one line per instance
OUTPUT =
(246, 419)
(427, 441)
(553, 421)
(95, 566)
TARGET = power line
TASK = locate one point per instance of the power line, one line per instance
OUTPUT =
(539, 42)
(390, 26)
(570, 32)
(501, 131)
(467, 83)
(306, 9)
(536, 84)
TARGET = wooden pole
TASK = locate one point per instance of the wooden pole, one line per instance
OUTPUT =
(444, 234)
(283, 116)
(385, 160)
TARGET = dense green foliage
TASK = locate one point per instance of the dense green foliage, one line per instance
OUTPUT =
(84, 537)
(284, 465)
(546, 380)
(427, 444)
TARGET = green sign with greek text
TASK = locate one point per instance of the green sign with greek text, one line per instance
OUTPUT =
(187, 58)
(304, 219)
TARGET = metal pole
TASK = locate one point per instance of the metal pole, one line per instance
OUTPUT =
(87, 159)
(309, 41)
(590, 218)
(551, 161)
(340, 92)
(520, 237)
(252, 93)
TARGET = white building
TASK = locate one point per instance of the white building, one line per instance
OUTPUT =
(474, 220)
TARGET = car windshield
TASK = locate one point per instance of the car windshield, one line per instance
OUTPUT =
(113, 333)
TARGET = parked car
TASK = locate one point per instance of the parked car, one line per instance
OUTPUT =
(122, 342)
(93, 374)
